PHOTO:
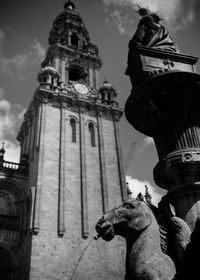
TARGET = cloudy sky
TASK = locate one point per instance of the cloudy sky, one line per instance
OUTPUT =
(24, 29)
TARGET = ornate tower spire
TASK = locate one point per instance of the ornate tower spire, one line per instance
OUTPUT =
(70, 50)
(66, 24)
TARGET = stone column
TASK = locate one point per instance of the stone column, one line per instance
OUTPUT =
(34, 138)
(31, 226)
(63, 76)
(96, 78)
(57, 61)
(102, 164)
(41, 147)
(84, 199)
(91, 77)
(119, 157)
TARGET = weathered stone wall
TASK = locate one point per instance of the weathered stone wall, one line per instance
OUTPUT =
(54, 256)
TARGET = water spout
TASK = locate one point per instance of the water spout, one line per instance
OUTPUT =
(96, 237)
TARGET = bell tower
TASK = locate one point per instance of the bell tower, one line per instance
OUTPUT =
(70, 135)
(75, 58)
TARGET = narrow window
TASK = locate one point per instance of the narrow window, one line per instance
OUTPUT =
(109, 99)
(73, 130)
(74, 40)
(92, 134)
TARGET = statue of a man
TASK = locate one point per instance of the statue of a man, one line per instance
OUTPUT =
(150, 33)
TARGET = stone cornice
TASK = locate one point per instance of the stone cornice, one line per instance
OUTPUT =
(65, 52)
(70, 100)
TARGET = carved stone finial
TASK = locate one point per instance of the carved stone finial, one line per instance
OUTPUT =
(129, 192)
(147, 195)
(69, 5)
(107, 93)
(106, 83)
(2, 152)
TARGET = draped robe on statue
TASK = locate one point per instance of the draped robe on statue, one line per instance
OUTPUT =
(152, 35)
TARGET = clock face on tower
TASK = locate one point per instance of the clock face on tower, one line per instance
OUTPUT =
(81, 88)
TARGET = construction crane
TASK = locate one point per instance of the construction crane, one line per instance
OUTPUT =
(130, 156)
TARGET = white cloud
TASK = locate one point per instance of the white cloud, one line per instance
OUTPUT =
(136, 186)
(177, 13)
(10, 65)
(33, 55)
(38, 49)
(10, 120)
(146, 143)
(12, 151)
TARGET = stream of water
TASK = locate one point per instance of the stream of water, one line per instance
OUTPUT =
(79, 260)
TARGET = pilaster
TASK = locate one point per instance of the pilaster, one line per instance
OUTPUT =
(84, 198)
(102, 164)
(61, 191)
(119, 156)
(63, 76)
(41, 147)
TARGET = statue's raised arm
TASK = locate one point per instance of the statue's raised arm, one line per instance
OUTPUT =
(150, 33)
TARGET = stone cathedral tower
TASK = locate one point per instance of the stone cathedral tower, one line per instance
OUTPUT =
(70, 138)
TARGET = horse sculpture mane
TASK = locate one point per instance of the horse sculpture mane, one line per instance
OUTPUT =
(135, 221)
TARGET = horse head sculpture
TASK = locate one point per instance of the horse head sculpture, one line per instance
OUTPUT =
(126, 220)
(135, 221)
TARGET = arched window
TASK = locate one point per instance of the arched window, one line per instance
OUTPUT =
(76, 73)
(92, 134)
(74, 40)
(7, 205)
(73, 129)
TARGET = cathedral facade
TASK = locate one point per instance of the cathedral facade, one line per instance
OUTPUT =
(70, 169)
